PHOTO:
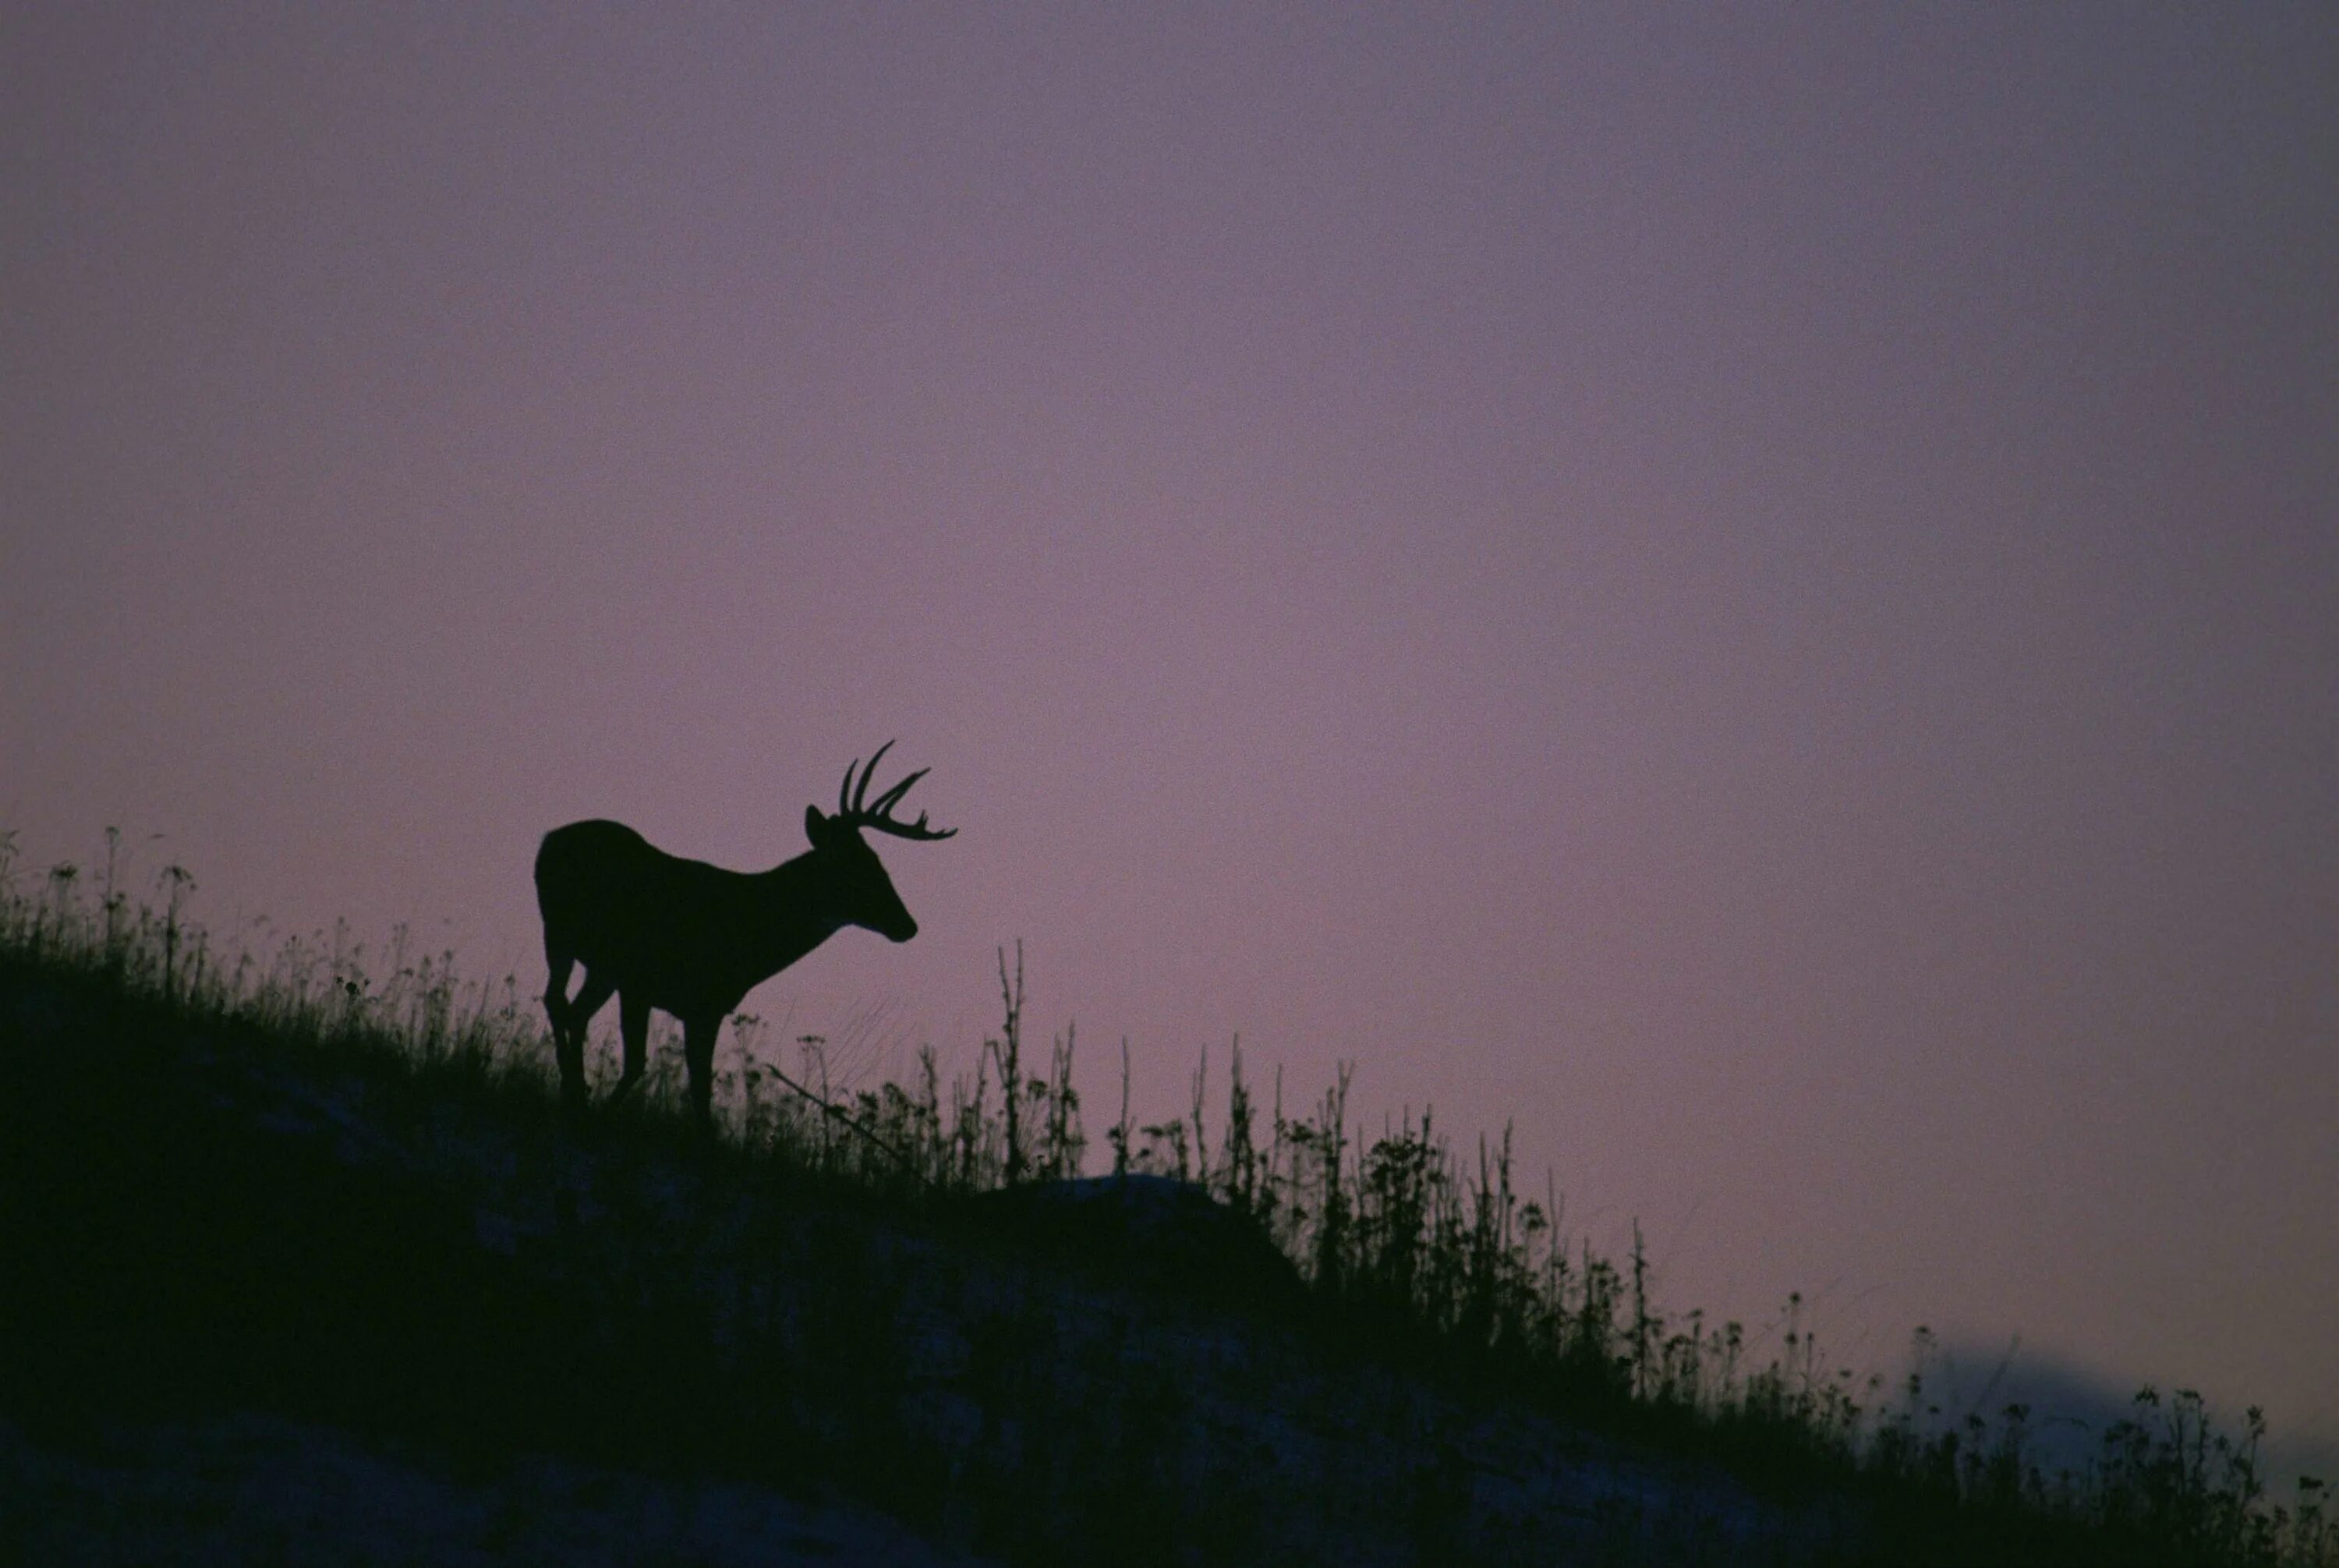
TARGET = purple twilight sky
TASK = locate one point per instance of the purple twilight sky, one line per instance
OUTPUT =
(1754, 591)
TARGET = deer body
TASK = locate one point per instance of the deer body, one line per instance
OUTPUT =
(692, 939)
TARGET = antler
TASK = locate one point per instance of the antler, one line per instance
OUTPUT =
(859, 812)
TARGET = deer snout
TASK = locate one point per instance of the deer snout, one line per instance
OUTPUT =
(890, 919)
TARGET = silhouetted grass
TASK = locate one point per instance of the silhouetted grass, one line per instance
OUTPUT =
(287, 1181)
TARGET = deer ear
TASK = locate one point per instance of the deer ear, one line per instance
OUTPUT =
(816, 826)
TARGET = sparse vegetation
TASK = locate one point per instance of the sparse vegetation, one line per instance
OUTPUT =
(344, 1190)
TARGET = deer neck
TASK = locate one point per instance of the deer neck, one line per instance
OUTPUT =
(800, 910)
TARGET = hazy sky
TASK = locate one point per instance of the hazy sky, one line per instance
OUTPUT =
(1756, 592)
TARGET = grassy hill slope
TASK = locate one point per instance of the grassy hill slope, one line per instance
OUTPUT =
(293, 1261)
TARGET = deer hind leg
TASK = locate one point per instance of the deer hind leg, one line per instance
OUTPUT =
(633, 1025)
(698, 1037)
(558, 965)
(568, 1021)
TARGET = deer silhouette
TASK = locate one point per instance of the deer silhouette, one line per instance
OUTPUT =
(691, 939)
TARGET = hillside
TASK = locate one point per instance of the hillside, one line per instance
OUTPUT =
(301, 1269)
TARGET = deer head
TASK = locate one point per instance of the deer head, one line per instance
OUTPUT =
(865, 892)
